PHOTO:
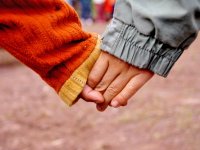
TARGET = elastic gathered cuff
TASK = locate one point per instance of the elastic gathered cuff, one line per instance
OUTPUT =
(71, 89)
(127, 43)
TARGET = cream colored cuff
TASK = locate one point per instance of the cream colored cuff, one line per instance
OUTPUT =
(74, 85)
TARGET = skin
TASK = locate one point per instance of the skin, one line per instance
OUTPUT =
(113, 82)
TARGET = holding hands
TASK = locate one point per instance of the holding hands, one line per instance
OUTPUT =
(113, 82)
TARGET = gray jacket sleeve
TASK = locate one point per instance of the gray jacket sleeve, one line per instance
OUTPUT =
(152, 34)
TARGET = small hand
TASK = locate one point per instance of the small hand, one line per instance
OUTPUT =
(90, 95)
(116, 80)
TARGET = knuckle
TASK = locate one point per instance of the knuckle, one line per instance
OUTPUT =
(92, 81)
(101, 86)
(112, 91)
(133, 87)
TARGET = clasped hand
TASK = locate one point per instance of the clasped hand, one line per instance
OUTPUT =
(113, 82)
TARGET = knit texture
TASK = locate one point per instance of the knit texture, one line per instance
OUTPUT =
(47, 36)
(74, 85)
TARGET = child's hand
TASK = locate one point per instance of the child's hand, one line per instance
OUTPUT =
(116, 80)
(90, 95)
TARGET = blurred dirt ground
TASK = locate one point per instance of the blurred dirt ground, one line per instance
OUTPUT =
(164, 115)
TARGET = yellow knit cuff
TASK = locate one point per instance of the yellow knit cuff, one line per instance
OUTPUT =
(74, 85)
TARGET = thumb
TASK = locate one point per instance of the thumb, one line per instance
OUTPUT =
(90, 95)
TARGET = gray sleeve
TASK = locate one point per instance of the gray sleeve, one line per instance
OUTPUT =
(152, 34)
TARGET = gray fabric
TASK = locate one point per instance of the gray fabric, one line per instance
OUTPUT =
(152, 34)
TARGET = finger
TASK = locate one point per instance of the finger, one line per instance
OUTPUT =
(118, 84)
(110, 75)
(114, 88)
(90, 95)
(98, 71)
(130, 89)
(115, 68)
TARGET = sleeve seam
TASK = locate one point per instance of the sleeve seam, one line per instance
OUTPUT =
(145, 49)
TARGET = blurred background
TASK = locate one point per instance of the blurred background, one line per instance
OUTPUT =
(164, 115)
(93, 11)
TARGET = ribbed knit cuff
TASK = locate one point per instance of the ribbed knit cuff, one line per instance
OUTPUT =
(127, 43)
(74, 85)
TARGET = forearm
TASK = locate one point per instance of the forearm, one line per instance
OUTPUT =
(152, 34)
(46, 36)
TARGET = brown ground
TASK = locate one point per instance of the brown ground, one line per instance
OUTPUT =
(164, 115)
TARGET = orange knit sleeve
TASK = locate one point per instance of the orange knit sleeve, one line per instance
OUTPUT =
(47, 36)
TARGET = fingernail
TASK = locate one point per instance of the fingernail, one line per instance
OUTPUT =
(115, 103)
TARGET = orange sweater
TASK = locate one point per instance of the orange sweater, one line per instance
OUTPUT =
(47, 36)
